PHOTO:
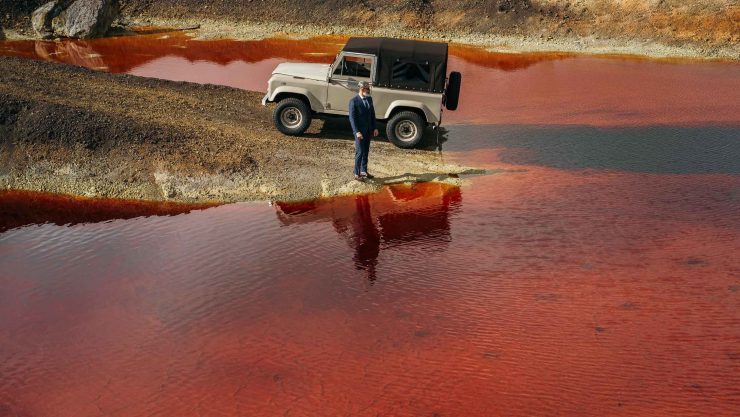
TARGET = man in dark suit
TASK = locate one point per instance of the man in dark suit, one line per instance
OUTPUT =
(362, 119)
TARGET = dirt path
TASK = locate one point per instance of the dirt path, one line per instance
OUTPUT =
(71, 130)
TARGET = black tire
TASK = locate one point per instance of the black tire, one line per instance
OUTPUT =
(453, 91)
(292, 116)
(405, 129)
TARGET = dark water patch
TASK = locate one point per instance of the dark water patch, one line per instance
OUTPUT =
(549, 297)
(695, 387)
(23, 208)
(421, 333)
(629, 305)
(492, 354)
(651, 149)
(403, 314)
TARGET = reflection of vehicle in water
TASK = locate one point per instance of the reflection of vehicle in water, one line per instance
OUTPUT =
(398, 215)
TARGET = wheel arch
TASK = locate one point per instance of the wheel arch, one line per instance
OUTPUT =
(304, 94)
(406, 105)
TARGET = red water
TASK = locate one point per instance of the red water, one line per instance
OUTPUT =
(593, 272)
(21, 208)
(554, 89)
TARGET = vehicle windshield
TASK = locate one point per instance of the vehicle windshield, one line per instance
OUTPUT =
(354, 66)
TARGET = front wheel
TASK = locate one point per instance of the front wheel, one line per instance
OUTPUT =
(292, 116)
(405, 129)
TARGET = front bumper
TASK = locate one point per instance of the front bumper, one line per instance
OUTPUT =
(264, 99)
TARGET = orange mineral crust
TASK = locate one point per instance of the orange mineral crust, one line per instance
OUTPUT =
(20, 208)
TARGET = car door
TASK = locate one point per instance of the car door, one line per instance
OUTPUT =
(349, 69)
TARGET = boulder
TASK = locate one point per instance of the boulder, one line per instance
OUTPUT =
(41, 19)
(85, 19)
(81, 19)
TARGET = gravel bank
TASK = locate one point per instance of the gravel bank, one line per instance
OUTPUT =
(75, 131)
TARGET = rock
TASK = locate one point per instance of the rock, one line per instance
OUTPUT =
(74, 18)
(41, 19)
(86, 19)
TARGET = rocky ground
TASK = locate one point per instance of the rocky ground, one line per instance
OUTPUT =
(675, 28)
(71, 130)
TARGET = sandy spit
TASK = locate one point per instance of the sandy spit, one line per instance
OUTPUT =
(71, 130)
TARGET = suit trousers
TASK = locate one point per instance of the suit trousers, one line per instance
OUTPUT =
(362, 149)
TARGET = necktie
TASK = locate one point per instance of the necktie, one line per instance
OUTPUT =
(364, 100)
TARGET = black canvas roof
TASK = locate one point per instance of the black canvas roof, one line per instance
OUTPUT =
(431, 56)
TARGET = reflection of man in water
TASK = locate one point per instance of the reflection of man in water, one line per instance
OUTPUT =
(404, 215)
(366, 238)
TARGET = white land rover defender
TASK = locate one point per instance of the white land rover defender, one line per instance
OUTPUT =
(409, 87)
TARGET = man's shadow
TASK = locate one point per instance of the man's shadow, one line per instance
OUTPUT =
(339, 128)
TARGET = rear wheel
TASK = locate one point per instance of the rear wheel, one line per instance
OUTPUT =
(292, 116)
(405, 129)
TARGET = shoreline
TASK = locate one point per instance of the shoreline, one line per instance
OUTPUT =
(122, 136)
(592, 45)
(211, 29)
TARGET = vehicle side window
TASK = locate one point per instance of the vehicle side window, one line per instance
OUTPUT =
(354, 66)
(411, 74)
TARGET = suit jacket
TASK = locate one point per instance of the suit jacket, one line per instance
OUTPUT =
(361, 117)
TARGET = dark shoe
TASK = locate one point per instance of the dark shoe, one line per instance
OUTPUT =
(367, 175)
(359, 178)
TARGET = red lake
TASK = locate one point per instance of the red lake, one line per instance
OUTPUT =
(594, 270)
